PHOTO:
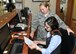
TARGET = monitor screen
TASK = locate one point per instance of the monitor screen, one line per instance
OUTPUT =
(4, 36)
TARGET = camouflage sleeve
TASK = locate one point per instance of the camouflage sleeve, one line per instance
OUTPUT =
(34, 23)
(61, 23)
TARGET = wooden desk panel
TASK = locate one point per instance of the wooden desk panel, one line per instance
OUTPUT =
(25, 49)
(4, 19)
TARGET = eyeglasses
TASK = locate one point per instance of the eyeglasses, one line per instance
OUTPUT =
(46, 27)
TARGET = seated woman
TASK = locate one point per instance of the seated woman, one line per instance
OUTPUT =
(53, 40)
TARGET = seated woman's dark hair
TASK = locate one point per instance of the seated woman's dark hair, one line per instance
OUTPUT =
(52, 22)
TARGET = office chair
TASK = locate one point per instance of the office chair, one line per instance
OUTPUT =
(68, 42)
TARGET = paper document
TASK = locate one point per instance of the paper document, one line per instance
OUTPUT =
(27, 41)
(21, 25)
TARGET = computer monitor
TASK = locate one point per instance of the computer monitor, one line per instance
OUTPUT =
(4, 37)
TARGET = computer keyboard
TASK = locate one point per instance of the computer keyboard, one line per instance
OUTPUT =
(17, 48)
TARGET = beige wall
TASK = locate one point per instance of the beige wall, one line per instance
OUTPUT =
(34, 6)
(64, 5)
(74, 10)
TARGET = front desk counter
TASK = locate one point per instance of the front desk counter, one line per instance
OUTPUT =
(5, 19)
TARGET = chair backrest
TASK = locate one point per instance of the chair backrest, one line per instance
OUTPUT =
(68, 42)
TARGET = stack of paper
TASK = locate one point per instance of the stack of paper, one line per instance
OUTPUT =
(27, 41)
(21, 25)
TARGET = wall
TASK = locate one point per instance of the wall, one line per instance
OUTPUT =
(74, 10)
(63, 4)
(34, 6)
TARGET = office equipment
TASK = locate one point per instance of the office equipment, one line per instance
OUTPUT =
(16, 24)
